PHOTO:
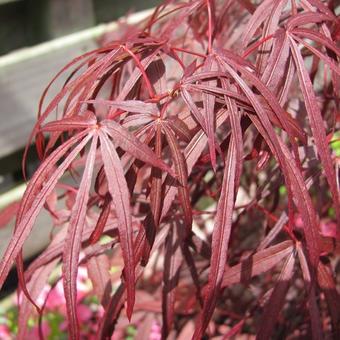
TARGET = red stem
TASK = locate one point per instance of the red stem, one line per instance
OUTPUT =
(178, 59)
(209, 27)
(141, 67)
(275, 219)
(154, 20)
(189, 52)
(256, 45)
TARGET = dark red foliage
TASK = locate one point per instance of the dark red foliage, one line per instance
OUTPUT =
(207, 103)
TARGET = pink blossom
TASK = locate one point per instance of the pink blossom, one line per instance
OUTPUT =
(328, 229)
(298, 221)
(34, 333)
(100, 311)
(43, 294)
(82, 283)
(118, 335)
(156, 332)
(84, 313)
(56, 297)
(5, 333)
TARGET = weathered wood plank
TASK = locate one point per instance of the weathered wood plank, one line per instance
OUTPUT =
(25, 73)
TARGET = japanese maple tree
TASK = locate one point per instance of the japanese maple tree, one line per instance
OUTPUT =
(199, 147)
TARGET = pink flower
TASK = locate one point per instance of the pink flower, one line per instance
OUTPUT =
(100, 311)
(156, 332)
(298, 221)
(328, 229)
(43, 294)
(5, 333)
(118, 335)
(84, 313)
(34, 333)
(56, 297)
(82, 283)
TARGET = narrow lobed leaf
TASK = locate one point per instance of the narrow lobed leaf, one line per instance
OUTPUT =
(220, 240)
(36, 203)
(128, 142)
(182, 173)
(276, 300)
(256, 264)
(71, 123)
(73, 242)
(120, 197)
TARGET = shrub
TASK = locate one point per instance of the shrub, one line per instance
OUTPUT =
(201, 147)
